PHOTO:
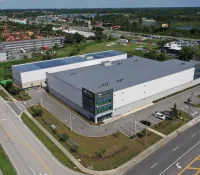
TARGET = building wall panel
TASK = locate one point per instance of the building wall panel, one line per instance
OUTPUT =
(142, 91)
(65, 90)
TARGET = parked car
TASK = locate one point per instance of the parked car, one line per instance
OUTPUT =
(187, 103)
(160, 116)
(167, 112)
(145, 122)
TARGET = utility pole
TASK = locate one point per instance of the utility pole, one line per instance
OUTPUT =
(145, 144)
(190, 105)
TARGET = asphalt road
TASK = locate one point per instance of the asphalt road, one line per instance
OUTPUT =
(173, 157)
(26, 152)
(117, 33)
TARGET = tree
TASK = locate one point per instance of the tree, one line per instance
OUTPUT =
(36, 112)
(33, 37)
(186, 53)
(14, 91)
(64, 137)
(174, 111)
(162, 56)
(9, 85)
(197, 53)
(98, 33)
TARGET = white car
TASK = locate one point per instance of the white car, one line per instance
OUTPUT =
(160, 116)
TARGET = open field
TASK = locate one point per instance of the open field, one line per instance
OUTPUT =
(124, 48)
(185, 23)
(168, 126)
(117, 148)
(48, 143)
(5, 164)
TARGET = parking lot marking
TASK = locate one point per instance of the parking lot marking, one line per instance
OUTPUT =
(193, 135)
(175, 148)
(194, 113)
(154, 165)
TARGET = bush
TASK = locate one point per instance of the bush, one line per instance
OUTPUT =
(14, 91)
(36, 112)
(9, 85)
(63, 137)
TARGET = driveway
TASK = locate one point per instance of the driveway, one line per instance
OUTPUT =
(124, 124)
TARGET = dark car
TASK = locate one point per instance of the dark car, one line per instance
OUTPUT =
(145, 122)
(187, 103)
(168, 113)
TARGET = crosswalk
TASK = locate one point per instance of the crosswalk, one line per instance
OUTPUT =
(20, 106)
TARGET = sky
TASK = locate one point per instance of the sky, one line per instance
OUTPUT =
(20, 4)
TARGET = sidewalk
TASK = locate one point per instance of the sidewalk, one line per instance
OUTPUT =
(156, 132)
(125, 167)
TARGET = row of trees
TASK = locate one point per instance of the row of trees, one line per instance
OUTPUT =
(189, 53)
(156, 55)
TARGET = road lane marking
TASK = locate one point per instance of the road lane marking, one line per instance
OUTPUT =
(20, 152)
(189, 165)
(191, 168)
(9, 157)
(154, 165)
(175, 148)
(25, 159)
(29, 146)
(3, 119)
(32, 170)
(178, 166)
(194, 113)
(193, 135)
(180, 157)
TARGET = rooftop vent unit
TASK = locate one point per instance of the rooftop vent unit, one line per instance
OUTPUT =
(73, 73)
(120, 80)
(107, 63)
(103, 85)
(90, 57)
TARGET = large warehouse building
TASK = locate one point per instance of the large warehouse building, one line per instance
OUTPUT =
(113, 88)
(34, 74)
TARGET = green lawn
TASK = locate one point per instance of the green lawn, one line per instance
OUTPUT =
(168, 126)
(89, 146)
(48, 143)
(4, 96)
(185, 23)
(5, 164)
(125, 48)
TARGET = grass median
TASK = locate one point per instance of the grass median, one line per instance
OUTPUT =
(5, 165)
(47, 142)
(168, 126)
(100, 153)
(4, 96)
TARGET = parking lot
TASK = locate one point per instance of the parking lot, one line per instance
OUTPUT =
(124, 124)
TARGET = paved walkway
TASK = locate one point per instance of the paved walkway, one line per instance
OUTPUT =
(156, 132)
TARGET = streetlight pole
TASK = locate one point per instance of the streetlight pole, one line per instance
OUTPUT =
(145, 144)
(71, 121)
(190, 105)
